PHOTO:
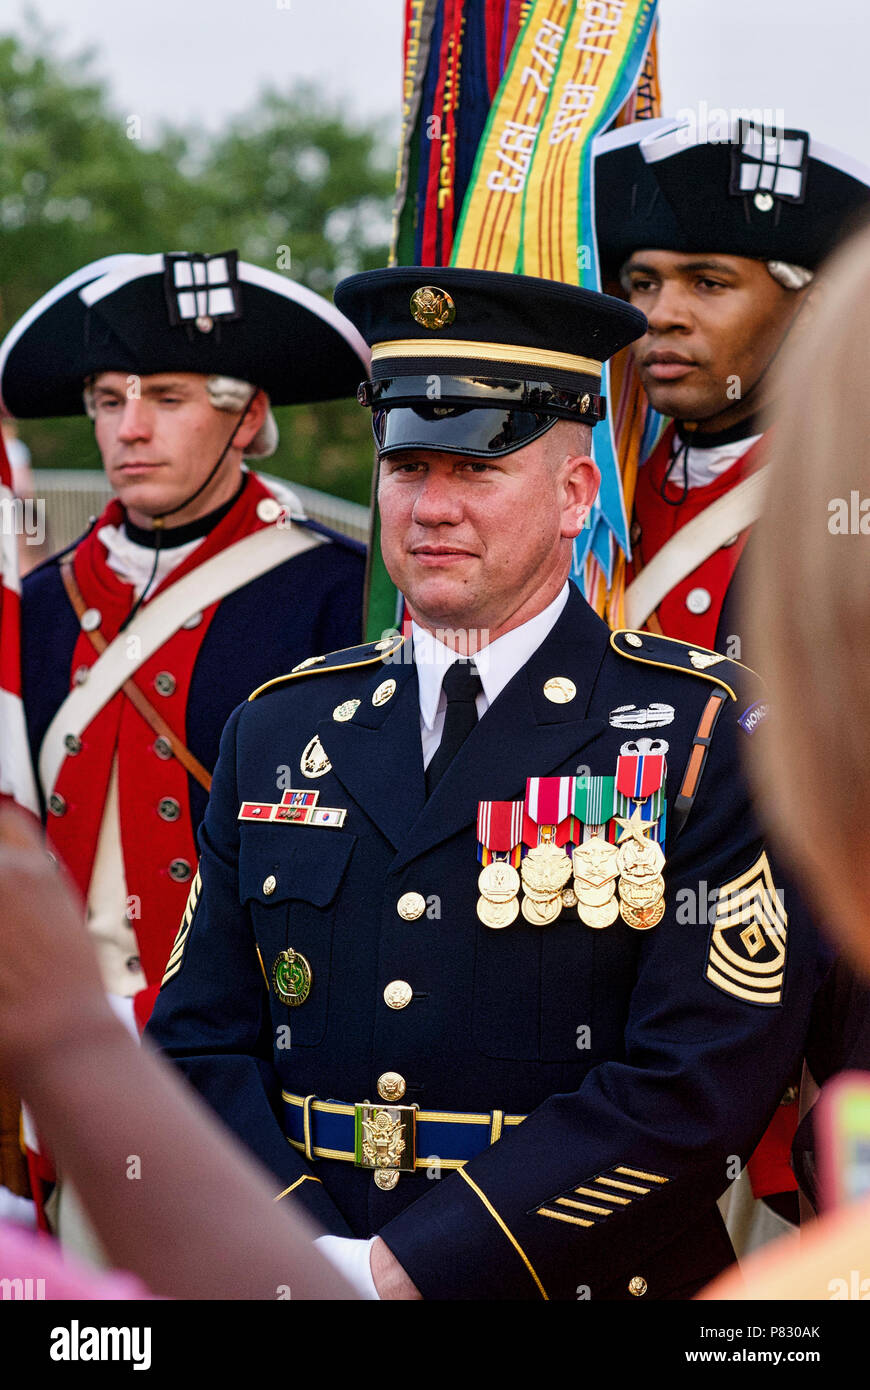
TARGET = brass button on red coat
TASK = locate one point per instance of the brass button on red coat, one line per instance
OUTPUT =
(72, 744)
(56, 804)
(169, 808)
(180, 870)
(162, 747)
(164, 683)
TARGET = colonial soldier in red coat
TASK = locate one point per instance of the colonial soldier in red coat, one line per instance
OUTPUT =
(197, 580)
(718, 241)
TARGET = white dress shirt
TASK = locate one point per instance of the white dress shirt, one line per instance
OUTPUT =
(497, 664)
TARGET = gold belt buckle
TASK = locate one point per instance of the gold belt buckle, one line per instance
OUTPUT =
(385, 1140)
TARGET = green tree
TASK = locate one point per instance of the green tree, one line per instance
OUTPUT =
(288, 183)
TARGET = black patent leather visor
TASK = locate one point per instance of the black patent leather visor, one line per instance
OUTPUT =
(479, 432)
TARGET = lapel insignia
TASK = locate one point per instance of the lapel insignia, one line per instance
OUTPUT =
(314, 761)
(345, 711)
(384, 692)
(560, 690)
(746, 956)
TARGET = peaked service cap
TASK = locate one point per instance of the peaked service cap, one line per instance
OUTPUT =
(480, 362)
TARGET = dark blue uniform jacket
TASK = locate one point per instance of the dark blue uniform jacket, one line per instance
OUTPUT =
(646, 1067)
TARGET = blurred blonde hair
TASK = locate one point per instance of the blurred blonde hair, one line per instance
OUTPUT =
(808, 605)
(225, 393)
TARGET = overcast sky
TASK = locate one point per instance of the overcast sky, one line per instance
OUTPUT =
(197, 60)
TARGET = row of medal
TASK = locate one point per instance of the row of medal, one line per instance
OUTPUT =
(608, 881)
(527, 844)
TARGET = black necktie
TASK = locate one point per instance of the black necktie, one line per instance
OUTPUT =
(461, 685)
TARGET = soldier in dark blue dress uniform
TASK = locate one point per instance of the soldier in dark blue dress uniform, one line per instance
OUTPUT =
(485, 958)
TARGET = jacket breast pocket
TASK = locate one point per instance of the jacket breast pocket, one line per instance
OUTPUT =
(539, 992)
(289, 877)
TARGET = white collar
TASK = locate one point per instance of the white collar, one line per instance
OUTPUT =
(703, 465)
(496, 663)
(134, 563)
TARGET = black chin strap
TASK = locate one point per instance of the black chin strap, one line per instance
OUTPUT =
(160, 519)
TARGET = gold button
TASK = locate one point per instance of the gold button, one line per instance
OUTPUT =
(633, 640)
(637, 1286)
(560, 690)
(384, 692)
(164, 683)
(411, 906)
(391, 1086)
(386, 1179)
(398, 994)
(269, 885)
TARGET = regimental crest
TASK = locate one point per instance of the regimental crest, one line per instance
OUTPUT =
(770, 166)
(432, 308)
(746, 956)
(315, 759)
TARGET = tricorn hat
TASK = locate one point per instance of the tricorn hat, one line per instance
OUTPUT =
(740, 188)
(479, 362)
(179, 312)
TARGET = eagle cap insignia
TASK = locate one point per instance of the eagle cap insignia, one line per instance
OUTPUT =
(432, 307)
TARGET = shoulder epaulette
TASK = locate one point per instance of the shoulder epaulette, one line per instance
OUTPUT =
(345, 660)
(674, 655)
